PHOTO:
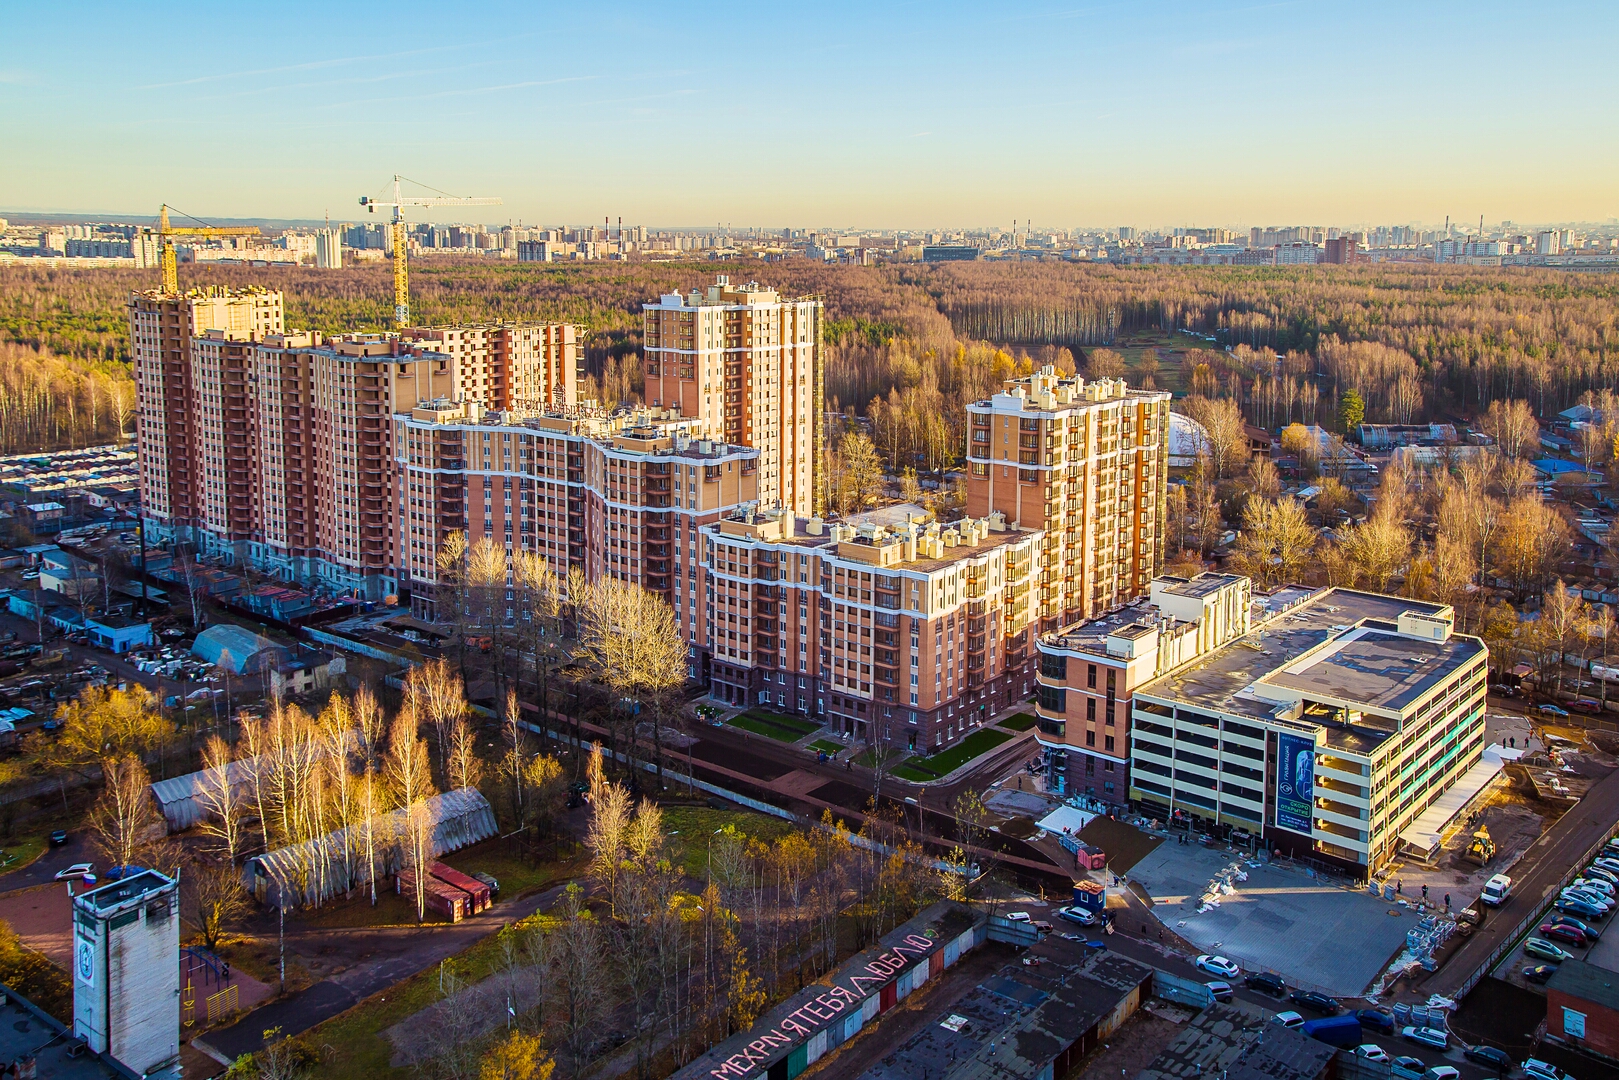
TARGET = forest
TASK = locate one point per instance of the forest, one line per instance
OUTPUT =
(1415, 342)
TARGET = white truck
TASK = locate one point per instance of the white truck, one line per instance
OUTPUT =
(1496, 890)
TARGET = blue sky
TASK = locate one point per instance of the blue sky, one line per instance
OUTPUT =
(861, 114)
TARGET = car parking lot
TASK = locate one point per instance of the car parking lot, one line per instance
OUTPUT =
(1282, 919)
(1604, 952)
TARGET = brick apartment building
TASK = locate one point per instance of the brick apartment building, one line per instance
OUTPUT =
(1087, 463)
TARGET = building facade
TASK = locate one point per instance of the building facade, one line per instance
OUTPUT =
(746, 364)
(126, 971)
(1086, 463)
(275, 449)
(1089, 672)
(1328, 727)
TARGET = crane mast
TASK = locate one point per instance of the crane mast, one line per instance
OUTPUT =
(396, 233)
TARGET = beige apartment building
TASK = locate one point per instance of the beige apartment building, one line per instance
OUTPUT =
(1086, 463)
(892, 627)
(746, 364)
(616, 494)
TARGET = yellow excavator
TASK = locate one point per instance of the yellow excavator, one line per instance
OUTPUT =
(1482, 849)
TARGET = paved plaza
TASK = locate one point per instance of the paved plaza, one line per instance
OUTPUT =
(1280, 919)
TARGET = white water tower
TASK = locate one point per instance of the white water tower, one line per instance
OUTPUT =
(126, 971)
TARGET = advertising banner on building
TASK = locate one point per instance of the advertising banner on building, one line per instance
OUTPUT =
(1295, 782)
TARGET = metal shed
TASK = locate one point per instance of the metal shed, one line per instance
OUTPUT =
(248, 652)
(316, 870)
(180, 798)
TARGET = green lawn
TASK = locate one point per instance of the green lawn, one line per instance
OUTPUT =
(1020, 722)
(773, 725)
(690, 827)
(947, 761)
(826, 744)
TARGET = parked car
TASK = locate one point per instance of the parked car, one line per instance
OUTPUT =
(1441, 1072)
(1545, 950)
(1540, 973)
(1217, 965)
(1371, 1052)
(58, 838)
(1584, 928)
(1080, 915)
(1573, 935)
(1586, 705)
(1289, 1019)
(1535, 1069)
(1426, 1036)
(487, 879)
(1219, 991)
(1408, 1068)
(1492, 1056)
(1376, 1019)
(1588, 898)
(1266, 981)
(1579, 907)
(1017, 916)
(1553, 710)
(1610, 863)
(1595, 884)
(77, 870)
(1503, 689)
(1320, 1002)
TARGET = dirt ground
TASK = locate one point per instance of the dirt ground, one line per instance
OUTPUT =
(1514, 821)
(1125, 844)
(1132, 1048)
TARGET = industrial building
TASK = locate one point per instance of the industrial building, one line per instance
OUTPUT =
(126, 971)
(1233, 1044)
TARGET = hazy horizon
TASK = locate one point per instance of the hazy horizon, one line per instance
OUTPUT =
(904, 117)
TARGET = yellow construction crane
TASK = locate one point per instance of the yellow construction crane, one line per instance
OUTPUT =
(171, 273)
(397, 236)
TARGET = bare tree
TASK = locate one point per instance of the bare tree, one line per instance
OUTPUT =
(223, 799)
(578, 985)
(124, 818)
(1513, 426)
(608, 831)
(215, 895)
(465, 767)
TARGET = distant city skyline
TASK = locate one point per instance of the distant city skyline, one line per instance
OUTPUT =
(943, 116)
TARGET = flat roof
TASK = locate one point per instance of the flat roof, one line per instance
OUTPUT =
(135, 887)
(1221, 680)
(1586, 981)
(1228, 1042)
(27, 1032)
(1377, 668)
(1205, 584)
(1017, 1020)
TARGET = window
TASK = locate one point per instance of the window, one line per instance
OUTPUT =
(1054, 665)
(1052, 698)
(1112, 680)
(1090, 677)
(1090, 739)
(1090, 709)
(1108, 744)
(1110, 714)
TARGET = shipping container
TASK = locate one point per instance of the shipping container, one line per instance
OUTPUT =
(479, 893)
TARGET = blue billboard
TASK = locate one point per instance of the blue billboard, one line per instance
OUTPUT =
(1295, 783)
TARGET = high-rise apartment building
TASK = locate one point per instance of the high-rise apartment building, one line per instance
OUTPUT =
(276, 449)
(620, 495)
(1085, 462)
(746, 364)
(161, 328)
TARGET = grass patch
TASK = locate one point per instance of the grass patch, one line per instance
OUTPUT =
(906, 772)
(773, 725)
(826, 744)
(354, 1042)
(1018, 722)
(947, 761)
(391, 909)
(692, 826)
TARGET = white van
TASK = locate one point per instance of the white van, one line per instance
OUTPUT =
(1496, 890)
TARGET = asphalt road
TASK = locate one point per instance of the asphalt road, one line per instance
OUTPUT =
(1534, 881)
(43, 869)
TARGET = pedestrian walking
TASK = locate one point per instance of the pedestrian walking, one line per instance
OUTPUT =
(1399, 886)
(1447, 902)
(1425, 892)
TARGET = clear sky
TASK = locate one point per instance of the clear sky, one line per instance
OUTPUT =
(1145, 112)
